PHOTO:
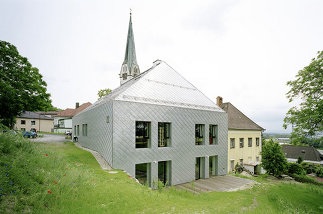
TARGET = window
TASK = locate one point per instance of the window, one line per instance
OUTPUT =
(213, 133)
(241, 142)
(23, 122)
(232, 165)
(257, 141)
(77, 130)
(249, 142)
(232, 143)
(164, 133)
(142, 134)
(33, 122)
(213, 166)
(199, 134)
(257, 158)
(84, 129)
(164, 172)
(143, 173)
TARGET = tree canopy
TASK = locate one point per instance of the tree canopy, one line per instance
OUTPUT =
(104, 92)
(308, 86)
(273, 159)
(21, 85)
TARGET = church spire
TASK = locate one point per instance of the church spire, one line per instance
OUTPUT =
(129, 68)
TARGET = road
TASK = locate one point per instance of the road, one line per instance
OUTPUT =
(47, 138)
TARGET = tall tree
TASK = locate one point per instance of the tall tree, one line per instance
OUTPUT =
(21, 85)
(308, 86)
(104, 92)
(273, 158)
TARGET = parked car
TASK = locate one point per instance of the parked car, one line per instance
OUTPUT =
(29, 134)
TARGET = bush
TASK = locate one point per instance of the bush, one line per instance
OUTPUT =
(313, 168)
(295, 168)
(305, 179)
(319, 172)
(238, 168)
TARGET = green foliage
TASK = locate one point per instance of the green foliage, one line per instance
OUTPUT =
(306, 141)
(306, 179)
(299, 160)
(21, 85)
(319, 172)
(307, 119)
(313, 168)
(238, 168)
(78, 185)
(295, 168)
(104, 92)
(273, 159)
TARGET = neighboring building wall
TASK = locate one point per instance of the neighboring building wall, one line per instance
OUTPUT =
(248, 154)
(183, 151)
(99, 130)
(62, 124)
(39, 125)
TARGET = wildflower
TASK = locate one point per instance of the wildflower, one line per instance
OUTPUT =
(64, 174)
(55, 182)
(46, 154)
(50, 192)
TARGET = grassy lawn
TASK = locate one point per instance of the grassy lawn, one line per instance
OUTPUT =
(60, 178)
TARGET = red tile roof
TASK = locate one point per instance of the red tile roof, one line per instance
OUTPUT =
(70, 112)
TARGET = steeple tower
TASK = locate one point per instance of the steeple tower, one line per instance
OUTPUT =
(129, 68)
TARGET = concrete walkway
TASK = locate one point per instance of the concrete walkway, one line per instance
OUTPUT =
(224, 183)
(50, 138)
(103, 163)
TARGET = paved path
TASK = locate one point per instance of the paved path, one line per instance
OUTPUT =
(224, 183)
(47, 138)
(103, 163)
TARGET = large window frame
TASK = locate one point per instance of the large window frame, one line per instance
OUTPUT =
(33, 122)
(23, 122)
(143, 134)
(213, 134)
(164, 134)
(199, 134)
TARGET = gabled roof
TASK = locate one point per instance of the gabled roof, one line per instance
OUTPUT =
(306, 152)
(161, 85)
(33, 115)
(237, 120)
(70, 112)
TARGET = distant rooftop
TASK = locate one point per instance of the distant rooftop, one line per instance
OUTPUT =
(70, 112)
(33, 115)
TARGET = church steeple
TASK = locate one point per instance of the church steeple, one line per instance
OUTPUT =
(129, 68)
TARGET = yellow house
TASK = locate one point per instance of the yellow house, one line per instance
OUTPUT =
(28, 121)
(244, 138)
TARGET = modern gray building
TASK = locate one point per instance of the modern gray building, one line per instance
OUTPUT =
(156, 125)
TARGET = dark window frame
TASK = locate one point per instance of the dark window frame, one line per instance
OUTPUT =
(23, 122)
(249, 142)
(199, 134)
(232, 145)
(33, 122)
(142, 134)
(164, 134)
(257, 141)
(241, 142)
(213, 134)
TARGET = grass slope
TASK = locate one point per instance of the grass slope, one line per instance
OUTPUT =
(77, 184)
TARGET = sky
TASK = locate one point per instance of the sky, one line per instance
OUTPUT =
(242, 50)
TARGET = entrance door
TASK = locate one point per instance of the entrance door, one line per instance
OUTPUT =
(162, 171)
(213, 166)
(199, 168)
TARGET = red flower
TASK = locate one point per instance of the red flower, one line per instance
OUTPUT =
(64, 174)
(49, 191)
(55, 182)
(46, 154)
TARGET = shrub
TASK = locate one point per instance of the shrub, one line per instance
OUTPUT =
(319, 172)
(295, 168)
(238, 168)
(299, 160)
(313, 168)
(305, 179)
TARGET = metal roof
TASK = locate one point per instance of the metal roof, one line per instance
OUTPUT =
(161, 85)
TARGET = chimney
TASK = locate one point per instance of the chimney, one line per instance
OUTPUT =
(77, 105)
(219, 101)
